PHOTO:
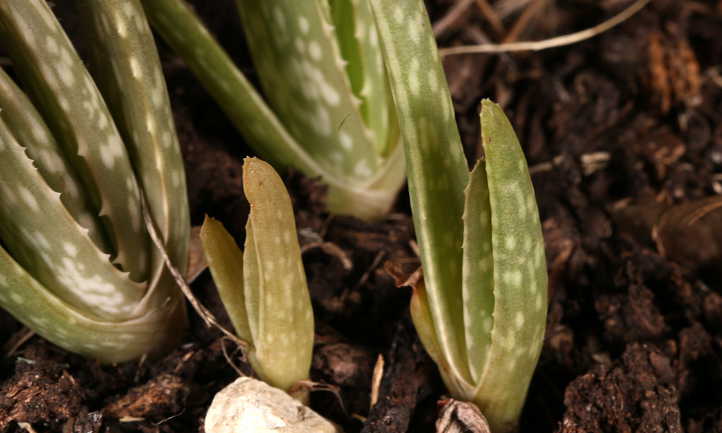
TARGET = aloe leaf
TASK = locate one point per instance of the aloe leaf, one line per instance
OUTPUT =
(75, 111)
(486, 285)
(299, 63)
(358, 41)
(477, 270)
(377, 102)
(519, 271)
(424, 324)
(183, 31)
(54, 273)
(277, 299)
(108, 341)
(28, 127)
(225, 261)
(359, 44)
(343, 18)
(45, 239)
(373, 198)
(252, 282)
(437, 171)
(131, 79)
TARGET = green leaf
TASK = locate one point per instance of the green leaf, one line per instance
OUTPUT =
(437, 171)
(66, 96)
(359, 43)
(185, 33)
(368, 196)
(484, 270)
(225, 261)
(344, 21)
(299, 64)
(60, 255)
(108, 341)
(54, 275)
(477, 270)
(519, 270)
(130, 77)
(424, 324)
(29, 129)
(277, 300)
(264, 288)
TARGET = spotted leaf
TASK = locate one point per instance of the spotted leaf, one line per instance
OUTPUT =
(30, 130)
(314, 120)
(436, 173)
(67, 97)
(77, 265)
(59, 322)
(481, 311)
(129, 74)
(56, 281)
(518, 270)
(264, 288)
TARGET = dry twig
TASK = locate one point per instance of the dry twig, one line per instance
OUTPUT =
(208, 317)
(558, 41)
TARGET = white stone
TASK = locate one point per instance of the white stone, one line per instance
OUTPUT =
(251, 406)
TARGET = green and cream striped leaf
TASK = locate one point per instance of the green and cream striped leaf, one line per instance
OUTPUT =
(29, 129)
(44, 238)
(377, 106)
(359, 44)
(343, 18)
(484, 270)
(108, 341)
(519, 275)
(76, 113)
(131, 79)
(277, 300)
(260, 126)
(373, 198)
(437, 171)
(185, 33)
(299, 64)
(55, 276)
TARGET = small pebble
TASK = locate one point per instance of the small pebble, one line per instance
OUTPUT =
(251, 406)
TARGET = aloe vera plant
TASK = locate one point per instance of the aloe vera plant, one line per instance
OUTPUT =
(328, 111)
(481, 308)
(78, 158)
(263, 288)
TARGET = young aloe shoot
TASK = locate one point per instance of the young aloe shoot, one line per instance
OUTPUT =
(328, 109)
(264, 287)
(78, 153)
(481, 308)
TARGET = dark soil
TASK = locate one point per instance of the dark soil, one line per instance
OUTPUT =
(623, 134)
